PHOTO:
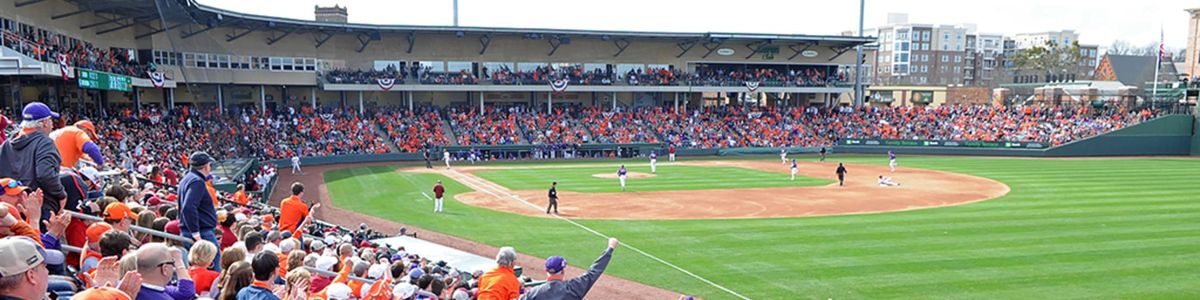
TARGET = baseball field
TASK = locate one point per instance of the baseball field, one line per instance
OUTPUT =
(956, 227)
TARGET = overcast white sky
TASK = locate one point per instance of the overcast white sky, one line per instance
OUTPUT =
(1099, 22)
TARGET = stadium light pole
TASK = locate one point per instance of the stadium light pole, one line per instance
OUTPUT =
(858, 90)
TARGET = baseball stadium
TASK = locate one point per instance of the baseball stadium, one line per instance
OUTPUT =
(182, 151)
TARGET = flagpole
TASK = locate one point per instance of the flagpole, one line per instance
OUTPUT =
(1157, 66)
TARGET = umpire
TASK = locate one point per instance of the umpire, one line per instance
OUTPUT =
(841, 173)
(553, 198)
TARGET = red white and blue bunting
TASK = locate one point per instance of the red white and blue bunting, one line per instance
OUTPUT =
(752, 85)
(559, 85)
(157, 79)
(62, 65)
(386, 83)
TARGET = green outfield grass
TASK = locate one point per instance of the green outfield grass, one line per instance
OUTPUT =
(1079, 229)
(668, 178)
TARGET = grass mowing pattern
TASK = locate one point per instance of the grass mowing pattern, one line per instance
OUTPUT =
(1084, 229)
(669, 178)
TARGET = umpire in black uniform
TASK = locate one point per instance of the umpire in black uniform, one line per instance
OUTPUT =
(553, 198)
(841, 173)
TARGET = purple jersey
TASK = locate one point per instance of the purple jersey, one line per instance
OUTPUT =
(793, 164)
(891, 156)
(621, 171)
(653, 155)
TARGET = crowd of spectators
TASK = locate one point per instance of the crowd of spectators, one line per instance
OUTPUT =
(495, 126)
(574, 74)
(704, 75)
(46, 46)
(145, 233)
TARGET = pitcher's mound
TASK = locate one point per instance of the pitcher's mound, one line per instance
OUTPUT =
(627, 174)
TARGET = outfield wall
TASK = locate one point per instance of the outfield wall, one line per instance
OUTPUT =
(1167, 135)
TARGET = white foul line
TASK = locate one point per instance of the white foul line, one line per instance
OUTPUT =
(482, 185)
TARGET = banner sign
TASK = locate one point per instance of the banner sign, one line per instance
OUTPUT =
(90, 79)
(949, 144)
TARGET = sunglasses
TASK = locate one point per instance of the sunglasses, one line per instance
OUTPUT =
(14, 184)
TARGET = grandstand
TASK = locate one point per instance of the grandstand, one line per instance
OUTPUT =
(164, 79)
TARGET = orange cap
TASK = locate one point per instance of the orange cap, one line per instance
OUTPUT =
(96, 230)
(117, 211)
(12, 187)
(85, 124)
(101, 293)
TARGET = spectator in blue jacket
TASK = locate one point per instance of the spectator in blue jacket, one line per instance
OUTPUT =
(197, 216)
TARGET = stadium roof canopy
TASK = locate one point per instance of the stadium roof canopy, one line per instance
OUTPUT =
(198, 17)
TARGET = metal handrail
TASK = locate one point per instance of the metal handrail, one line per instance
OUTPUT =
(174, 237)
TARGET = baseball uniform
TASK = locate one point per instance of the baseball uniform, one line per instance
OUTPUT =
(841, 173)
(446, 157)
(296, 165)
(783, 154)
(794, 169)
(892, 161)
(438, 191)
(671, 153)
(653, 162)
(621, 175)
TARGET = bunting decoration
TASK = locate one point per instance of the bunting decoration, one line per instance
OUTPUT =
(157, 79)
(559, 85)
(752, 85)
(386, 83)
(62, 66)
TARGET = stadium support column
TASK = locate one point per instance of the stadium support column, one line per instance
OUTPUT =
(220, 99)
(312, 96)
(360, 103)
(481, 103)
(676, 101)
(137, 99)
(614, 100)
(169, 94)
(858, 59)
(410, 105)
(262, 98)
(549, 103)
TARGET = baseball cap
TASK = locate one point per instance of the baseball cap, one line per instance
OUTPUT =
(117, 211)
(338, 291)
(96, 230)
(416, 274)
(85, 124)
(90, 173)
(172, 227)
(325, 263)
(101, 293)
(12, 187)
(555, 264)
(35, 111)
(19, 254)
(404, 290)
(200, 158)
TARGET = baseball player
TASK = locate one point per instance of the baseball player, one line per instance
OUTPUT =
(438, 191)
(553, 198)
(783, 154)
(296, 164)
(823, 154)
(428, 164)
(621, 175)
(653, 162)
(892, 161)
(671, 153)
(841, 173)
(887, 181)
(794, 169)
(446, 157)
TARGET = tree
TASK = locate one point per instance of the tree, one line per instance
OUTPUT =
(1049, 60)
(1120, 47)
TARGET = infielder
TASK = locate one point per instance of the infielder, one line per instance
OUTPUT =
(653, 162)
(887, 181)
(438, 191)
(794, 169)
(823, 154)
(892, 160)
(783, 154)
(446, 157)
(553, 198)
(621, 175)
(296, 165)
(671, 153)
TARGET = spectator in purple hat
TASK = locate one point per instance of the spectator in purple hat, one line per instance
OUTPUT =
(31, 157)
(575, 288)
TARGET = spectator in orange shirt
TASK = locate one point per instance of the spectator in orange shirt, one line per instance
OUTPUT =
(501, 283)
(293, 212)
(240, 196)
(74, 141)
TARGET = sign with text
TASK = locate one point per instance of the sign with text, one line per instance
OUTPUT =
(936, 143)
(91, 79)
